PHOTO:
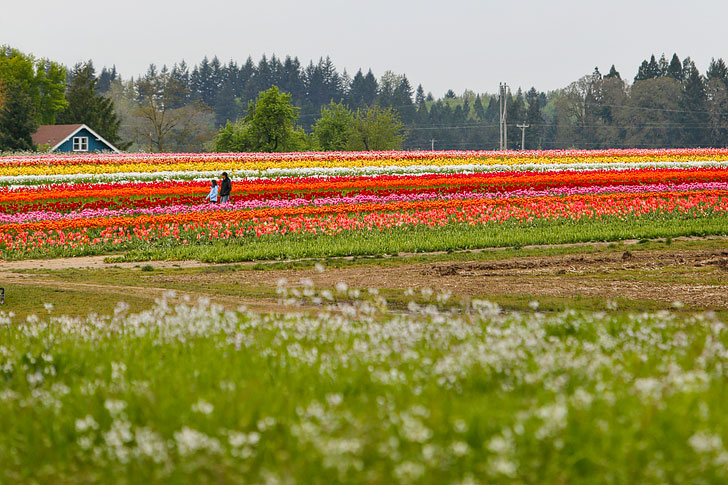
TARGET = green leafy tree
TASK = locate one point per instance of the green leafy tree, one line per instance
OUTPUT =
(42, 80)
(333, 130)
(233, 137)
(376, 128)
(268, 127)
(85, 106)
(17, 121)
(271, 120)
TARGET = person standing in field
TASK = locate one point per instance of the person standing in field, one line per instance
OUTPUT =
(212, 196)
(225, 188)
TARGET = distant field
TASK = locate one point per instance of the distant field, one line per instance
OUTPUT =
(338, 204)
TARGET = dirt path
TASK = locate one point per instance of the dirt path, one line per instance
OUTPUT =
(97, 262)
(695, 277)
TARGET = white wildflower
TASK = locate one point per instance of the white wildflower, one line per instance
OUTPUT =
(706, 442)
(409, 472)
(85, 424)
(202, 407)
(115, 407)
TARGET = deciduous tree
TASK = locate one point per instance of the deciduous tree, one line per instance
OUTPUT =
(17, 121)
(333, 129)
(376, 128)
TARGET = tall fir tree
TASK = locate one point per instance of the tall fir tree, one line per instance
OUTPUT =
(85, 106)
(534, 119)
(717, 70)
(478, 108)
(674, 70)
(613, 73)
(663, 66)
(106, 78)
(420, 96)
(693, 105)
(363, 91)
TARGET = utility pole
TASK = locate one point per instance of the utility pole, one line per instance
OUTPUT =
(523, 134)
(503, 116)
(433, 144)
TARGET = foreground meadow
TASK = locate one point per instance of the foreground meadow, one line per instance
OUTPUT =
(446, 392)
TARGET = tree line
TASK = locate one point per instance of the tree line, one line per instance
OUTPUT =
(212, 106)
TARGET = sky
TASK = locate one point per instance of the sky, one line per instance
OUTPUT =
(450, 44)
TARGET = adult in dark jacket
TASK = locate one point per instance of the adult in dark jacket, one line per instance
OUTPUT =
(225, 188)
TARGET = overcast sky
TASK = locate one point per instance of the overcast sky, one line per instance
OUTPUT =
(447, 44)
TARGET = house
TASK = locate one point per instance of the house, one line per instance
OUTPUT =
(77, 138)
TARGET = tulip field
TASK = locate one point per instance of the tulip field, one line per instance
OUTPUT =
(323, 204)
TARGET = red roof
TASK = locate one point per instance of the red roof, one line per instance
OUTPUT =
(53, 134)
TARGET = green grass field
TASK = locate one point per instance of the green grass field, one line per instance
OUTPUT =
(444, 393)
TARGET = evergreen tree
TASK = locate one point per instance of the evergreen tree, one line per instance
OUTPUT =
(420, 96)
(276, 70)
(643, 72)
(654, 68)
(363, 90)
(17, 121)
(292, 81)
(387, 86)
(613, 73)
(226, 108)
(203, 82)
(85, 106)
(662, 66)
(402, 100)
(674, 70)
(245, 88)
(534, 120)
(717, 70)
(693, 103)
(345, 82)
(216, 79)
(492, 112)
(648, 70)
(478, 108)
(106, 77)
(180, 74)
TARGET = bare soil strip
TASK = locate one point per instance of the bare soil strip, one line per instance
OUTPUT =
(694, 277)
